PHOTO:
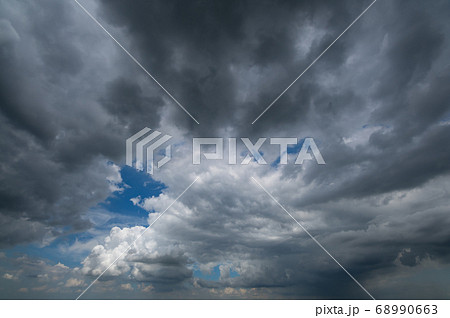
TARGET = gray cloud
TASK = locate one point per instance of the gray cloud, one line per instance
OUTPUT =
(377, 104)
(56, 139)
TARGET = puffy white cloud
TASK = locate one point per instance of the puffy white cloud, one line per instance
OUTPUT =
(115, 179)
(8, 276)
(241, 230)
(126, 286)
(73, 282)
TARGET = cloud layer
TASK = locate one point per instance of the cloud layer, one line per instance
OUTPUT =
(376, 103)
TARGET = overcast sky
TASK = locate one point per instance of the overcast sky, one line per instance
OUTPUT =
(376, 103)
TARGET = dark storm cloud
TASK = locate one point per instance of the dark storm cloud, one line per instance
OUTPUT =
(124, 98)
(377, 104)
(55, 143)
(411, 91)
(191, 47)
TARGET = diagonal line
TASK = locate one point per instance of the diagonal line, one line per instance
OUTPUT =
(267, 108)
(136, 61)
(140, 235)
(313, 238)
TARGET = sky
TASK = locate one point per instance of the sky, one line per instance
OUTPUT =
(376, 104)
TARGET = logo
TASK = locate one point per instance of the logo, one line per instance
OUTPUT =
(141, 150)
(141, 147)
(253, 150)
